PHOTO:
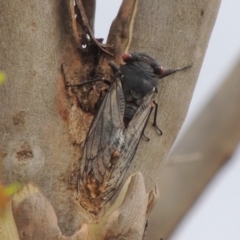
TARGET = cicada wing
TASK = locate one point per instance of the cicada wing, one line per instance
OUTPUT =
(103, 140)
(109, 148)
(132, 136)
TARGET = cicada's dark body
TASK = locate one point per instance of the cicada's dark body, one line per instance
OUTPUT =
(117, 128)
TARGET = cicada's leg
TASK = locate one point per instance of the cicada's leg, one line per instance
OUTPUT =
(154, 105)
(146, 138)
(155, 118)
(115, 69)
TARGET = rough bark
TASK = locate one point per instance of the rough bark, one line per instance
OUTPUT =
(42, 126)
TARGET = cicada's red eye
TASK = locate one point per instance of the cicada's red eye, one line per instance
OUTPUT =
(159, 71)
(126, 57)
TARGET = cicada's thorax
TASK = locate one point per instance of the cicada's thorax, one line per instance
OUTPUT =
(138, 81)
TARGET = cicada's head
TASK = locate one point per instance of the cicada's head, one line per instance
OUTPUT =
(140, 74)
(147, 63)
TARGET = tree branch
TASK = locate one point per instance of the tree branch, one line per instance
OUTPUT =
(207, 145)
(177, 34)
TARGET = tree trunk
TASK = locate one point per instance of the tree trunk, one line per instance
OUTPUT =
(43, 128)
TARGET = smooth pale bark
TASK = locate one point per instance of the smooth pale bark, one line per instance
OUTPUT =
(176, 33)
(42, 133)
(207, 145)
(34, 139)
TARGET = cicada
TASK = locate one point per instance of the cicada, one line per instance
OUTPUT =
(116, 130)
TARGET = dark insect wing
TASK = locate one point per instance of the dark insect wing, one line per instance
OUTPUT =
(104, 141)
(132, 136)
(102, 133)
(109, 148)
